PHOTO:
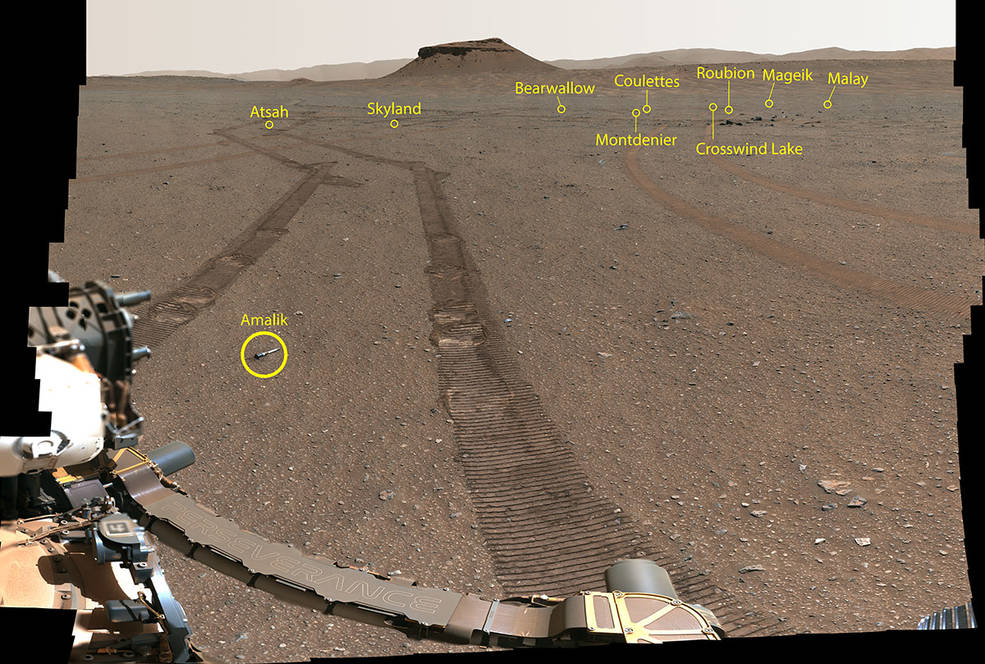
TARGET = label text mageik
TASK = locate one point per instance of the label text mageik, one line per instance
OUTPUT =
(787, 77)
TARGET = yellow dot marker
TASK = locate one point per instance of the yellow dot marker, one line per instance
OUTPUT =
(769, 100)
(269, 124)
(394, 123)
(560, 106)
(827, 102)
(242, 354)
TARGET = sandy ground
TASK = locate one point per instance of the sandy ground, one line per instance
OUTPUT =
(759, 326)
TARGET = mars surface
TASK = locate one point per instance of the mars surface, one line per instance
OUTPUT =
(515, 351)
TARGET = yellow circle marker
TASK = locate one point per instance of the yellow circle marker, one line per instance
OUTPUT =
(728, 110)
(769, 103)
(269, 124)
(647, 108)
(636, 112)
(242, 354)
(712, 106)
(394, 123)
(561, 108)
(827, 103)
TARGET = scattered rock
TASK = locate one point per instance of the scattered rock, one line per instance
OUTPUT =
(604, 354)
(828, 507)
(622, 227)
(758, 513)
(386, 494)
(863, 541)
(820, 540)
(751, 568)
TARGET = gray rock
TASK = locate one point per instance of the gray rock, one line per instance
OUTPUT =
(857, 501)
(751, 568)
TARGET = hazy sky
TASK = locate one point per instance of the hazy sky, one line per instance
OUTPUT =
(231, 36)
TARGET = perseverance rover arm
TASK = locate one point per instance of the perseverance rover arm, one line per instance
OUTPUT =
(619, 615)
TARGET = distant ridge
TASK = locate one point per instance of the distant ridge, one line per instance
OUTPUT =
(684, 56)
(466, 57)
(700, 56)
(349, 71)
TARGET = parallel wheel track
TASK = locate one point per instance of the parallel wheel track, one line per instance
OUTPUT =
(542, 523)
